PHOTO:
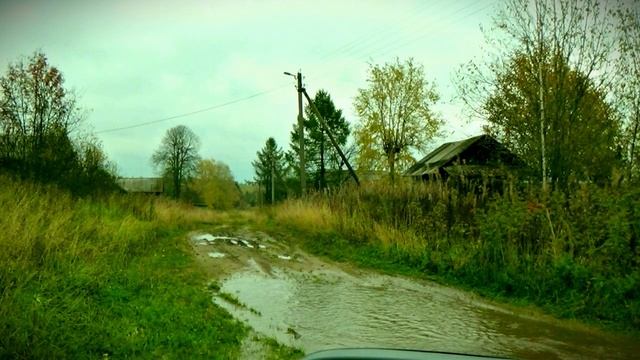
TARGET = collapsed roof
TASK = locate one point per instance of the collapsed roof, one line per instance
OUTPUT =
(471, 156)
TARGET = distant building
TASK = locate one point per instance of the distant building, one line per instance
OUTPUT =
(142, 185)
(474, 158)
(371, 175)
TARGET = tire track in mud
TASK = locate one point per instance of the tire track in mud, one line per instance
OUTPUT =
(302, 301)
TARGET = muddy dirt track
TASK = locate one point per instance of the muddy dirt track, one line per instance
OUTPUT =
(314, 304)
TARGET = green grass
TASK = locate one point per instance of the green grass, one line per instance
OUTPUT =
(574, 254)
(112, 277)
(232, 299)
(277, 351)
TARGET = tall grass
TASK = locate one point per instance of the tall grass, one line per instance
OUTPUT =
(108, 278)
(574, 252)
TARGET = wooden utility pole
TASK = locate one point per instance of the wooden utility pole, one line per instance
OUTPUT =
(303, 175)
(331, 138)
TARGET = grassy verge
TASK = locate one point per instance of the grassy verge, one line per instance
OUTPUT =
(110, 278)
(575, 255)
(277, 351)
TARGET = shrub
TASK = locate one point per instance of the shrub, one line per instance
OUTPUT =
(574, 251)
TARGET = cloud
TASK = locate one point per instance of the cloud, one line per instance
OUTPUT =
(133, 62)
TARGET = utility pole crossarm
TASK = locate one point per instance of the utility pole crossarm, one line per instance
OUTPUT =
(331, 138)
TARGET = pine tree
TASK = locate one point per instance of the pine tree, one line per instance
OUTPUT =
(270, 171)
(321, 158)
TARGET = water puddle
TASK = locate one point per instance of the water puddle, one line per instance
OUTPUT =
(322, 309)
(215, 254)
(204, 239)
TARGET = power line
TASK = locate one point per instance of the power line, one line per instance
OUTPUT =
(379, 33)
(394, 44)
(367, 50)
(391, 47)
(356, 47)
(193, 112)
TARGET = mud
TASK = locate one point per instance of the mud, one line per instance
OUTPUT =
(315, 304)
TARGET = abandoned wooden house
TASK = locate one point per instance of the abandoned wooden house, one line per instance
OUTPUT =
(142, 185)
(478, 158)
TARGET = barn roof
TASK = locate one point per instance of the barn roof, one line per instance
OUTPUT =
(141, 185)
(447, 153)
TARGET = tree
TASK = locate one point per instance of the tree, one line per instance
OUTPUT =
(95, 171)
(40, 136)
(562, 49)
(214, 184)
(270, 171)
(319, 152)
(250, 193)
(628, 82)
(580, 136)
(395, 116)
(37, 116)
(177, 156)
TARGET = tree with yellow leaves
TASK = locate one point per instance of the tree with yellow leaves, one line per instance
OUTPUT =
(215, 185)
(396, 116)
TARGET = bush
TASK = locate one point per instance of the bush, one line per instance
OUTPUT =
(574, 252)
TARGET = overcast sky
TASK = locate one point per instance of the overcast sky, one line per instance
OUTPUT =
(134, 62)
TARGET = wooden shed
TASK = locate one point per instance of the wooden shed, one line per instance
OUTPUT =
(477, 157)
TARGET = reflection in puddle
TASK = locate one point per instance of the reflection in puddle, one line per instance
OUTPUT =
(328, 309)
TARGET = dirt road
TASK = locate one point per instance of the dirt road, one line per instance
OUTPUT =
(312, 303)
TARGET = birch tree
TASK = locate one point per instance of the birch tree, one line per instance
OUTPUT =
(567, 47)
(628, 82)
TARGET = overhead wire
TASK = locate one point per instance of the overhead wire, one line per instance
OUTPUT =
(356, 47)
(399, 42)
(235, 101)
(392, 47)
(392, 40)
(190, 113)
(380, 31)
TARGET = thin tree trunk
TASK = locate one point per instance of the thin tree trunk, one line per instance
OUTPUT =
(273, 183)
(322, 168)
(392, 166)
(541, 97)
(176, 185)
(633, 144)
